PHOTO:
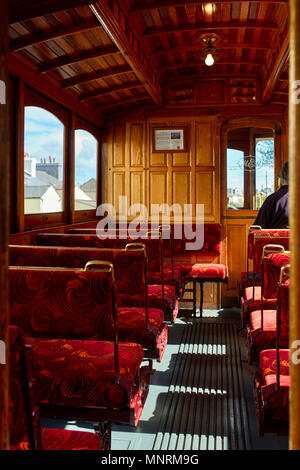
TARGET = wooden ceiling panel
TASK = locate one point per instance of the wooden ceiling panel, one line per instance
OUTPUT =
(66, 44)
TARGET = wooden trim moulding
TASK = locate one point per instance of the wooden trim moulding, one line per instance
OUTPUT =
(49, 88)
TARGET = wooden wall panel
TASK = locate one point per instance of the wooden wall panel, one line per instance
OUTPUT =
(181, 188)
(205, 192)
(181, 159)
(137, 187)
(204, 144)
(118, 157)
(118, 188)
(136, 145)
(158, 188)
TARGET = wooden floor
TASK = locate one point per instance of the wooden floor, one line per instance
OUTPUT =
(200, 395)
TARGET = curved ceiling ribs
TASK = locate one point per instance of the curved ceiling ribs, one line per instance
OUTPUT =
(252, 44)
(107, 54)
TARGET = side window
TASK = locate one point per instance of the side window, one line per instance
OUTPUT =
(250, 167)
(264, 169)
(43, 162)
(86, 168)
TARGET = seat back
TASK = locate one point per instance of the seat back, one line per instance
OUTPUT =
(282, 321)
(24, 426)
(272, 264)
(129, 265)
(260, 240)
(153, 246)
(62, 303)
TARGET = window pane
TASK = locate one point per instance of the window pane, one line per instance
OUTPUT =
(235, 179)
(264, 170)
(43, 162)
(86, 150)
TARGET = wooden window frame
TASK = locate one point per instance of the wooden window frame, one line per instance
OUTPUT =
(276, 125)
(32, 221)
(86, 215)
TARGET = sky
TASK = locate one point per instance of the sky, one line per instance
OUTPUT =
(44, 136)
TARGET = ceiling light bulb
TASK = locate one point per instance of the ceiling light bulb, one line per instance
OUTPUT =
(209, 60)
(209, 8)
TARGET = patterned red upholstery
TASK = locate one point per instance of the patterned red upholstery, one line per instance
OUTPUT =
(207, 271)
(23, 423)
(257, 339)
(272, 403)
(65, 303)
(274, 321)
(133, 328)
(61, 303)
(273, 233)
(249, 293)
(273, 263)
(164, 298)
(82, 373)
(261, 240)
(153, 246)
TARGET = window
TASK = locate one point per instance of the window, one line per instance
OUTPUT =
(264, 169)
(43, 161)
(250, 167)
(86, 158)
(235, 179)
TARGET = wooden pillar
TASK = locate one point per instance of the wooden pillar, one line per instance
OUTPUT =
(294, 198)
(69, 171)
(4, 222)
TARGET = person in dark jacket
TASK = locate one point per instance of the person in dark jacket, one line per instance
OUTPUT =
(274, 213)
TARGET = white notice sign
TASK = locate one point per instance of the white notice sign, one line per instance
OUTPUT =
(169, 139)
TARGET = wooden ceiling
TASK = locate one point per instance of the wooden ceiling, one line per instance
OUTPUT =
(113, 55)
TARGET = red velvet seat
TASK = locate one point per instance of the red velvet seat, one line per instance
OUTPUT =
(265, 251)
(259, 339)
(272, 382)
(249, 293)
(74, 373)
(153, 337)
(129, 271)
(257, 239)
(271, 400)
(202, 273)
(207, 271)
(75, 304)
(164, 298)
(25, 428)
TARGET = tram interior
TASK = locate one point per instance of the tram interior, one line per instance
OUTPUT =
(143, 308)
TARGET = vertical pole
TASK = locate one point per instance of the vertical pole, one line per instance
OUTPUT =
(294, 198)
(4, 221)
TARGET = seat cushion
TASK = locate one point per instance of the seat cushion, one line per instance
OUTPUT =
(81, 373)
(277, 402)
(267, 365)
(249, 293)
(166, 293)
(132, 325)
(259, 340)
(269, 320)
(207, 271)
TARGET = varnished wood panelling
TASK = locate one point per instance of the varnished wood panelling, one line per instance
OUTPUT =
(204, 144)
(205, 192)
(181, 188)
(137, 187)
(118, 188)
(158, 159)
(158, 187)
(119, 145)
(136, 145)
(181, 159)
